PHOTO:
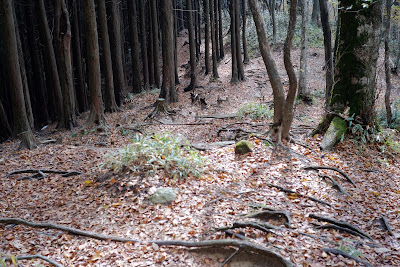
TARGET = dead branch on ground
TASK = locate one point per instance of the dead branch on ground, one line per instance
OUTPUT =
(39, 174)
(335, 184)
(333, 169)
(31, 257)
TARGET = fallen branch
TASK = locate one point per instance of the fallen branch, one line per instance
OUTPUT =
(244, 245)
(335, 184)
(31, 257)
(301, 195)
(223, 116)
(331, 168)
(340, 223)
(230, 257)
(40, 174)
(344, 254)
(209, 146)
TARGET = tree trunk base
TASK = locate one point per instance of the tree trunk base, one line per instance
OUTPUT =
(337, 129)
(28, 140)
(95, 118)
(161, 107)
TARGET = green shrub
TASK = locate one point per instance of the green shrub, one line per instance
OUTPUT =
(157, 152)
(256, 111)
(395, 124)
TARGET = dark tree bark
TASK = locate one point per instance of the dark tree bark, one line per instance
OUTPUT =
(21, 125)
(207, 36)
(192, 48)
(237, 42)
(150, 45)
(216, 28)
(245, 54)
(221, 37)
(315, 11)
(116, 51)
(96, 115)
(272, 9)
(136, 83)
(5, 130)
(80, 87)
(326, 28)
(303, 94)
(168, 90)
(213, 43)
(196, 25)
(143, 40)
(387, 63)
(156, 43)
(50, 64)
(176, 44)
(110, 103)
(234, 78)
(63, 41)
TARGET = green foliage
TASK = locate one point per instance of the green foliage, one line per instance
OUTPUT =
(159, 151)
(395, 123)
(256, 111)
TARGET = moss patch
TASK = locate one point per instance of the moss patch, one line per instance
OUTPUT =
(336, 130)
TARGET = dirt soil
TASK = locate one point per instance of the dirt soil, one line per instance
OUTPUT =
(118, 205)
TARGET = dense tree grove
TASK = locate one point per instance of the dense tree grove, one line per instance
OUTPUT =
(88, 55)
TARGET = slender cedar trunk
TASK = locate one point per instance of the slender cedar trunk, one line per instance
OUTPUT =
(221, 37)
(150, 46)
(272, 9)
(116, 51)
(216, 27)
(315, 11)
(96, 115)
(63, 40)
(237, 41)
(168, 90)
(25, 86)
(398, 55)
(207, 36)
(176, 44)
(143, 40)
(303, 54)
(198, 24)
(291, 95)
(110, 103)
(5, 130)
(272, 70)
(39, 85)
(245, 54)
(181, 17)
(213, 43)
(21, 125)
(192, 48)
(387, 63)
(196, 30)
(80, 87)
(326, 28)
(234, 78)
(50, 64)
(136, 83)
(156, 44)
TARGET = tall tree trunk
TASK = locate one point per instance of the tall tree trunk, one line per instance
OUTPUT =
(96, 115)
(116, 51)
(192, 48)
(234, 78)
(50, 64)
(136, 83)
(5, 130)
(288, 108)
(220, 34)
(272, 70)
(196, 29)
(143, 39)
(303, 94)
(168, 90)
(273, 19)
(176, 43)
(216, 27)
(21, 125)
(156, 44)
(237, 42)
(315, 11)
(63, 40)
(245, 54)
(207, 36)
(326, 28)
(110, 103)
(150, 46)
(387, 63)
(80, 87)
(213, 43)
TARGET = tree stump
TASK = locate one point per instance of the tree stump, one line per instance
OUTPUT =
(160, 107)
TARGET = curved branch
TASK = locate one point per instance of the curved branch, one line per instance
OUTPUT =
(30, 257)
(333, 169)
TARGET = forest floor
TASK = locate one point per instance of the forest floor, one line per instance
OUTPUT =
(118, 205)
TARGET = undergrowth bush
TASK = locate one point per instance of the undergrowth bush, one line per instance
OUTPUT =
(395, 124)
(256, 111)
(151, 153)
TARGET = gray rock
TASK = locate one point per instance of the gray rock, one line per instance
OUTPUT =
(243, 147)
(164, 195)
(336, 130)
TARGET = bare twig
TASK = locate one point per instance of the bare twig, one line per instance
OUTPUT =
(333, 169)
(30, 257)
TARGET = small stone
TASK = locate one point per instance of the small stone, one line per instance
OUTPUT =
(164, 195)
(243, 147)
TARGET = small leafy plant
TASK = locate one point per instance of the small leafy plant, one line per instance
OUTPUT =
(256, 111)
(157, 152)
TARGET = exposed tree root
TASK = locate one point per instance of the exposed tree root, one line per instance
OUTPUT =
(223, 116)
(300, 195)
(340, 223)
(333, 169)
(344, 254)
(244, 245)
(273, 215)
(31, 257)
(335, 184)
(386, 225)
(40, 174)
(339, 228)
(230, 257)
(256, 225)
(161, 107)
